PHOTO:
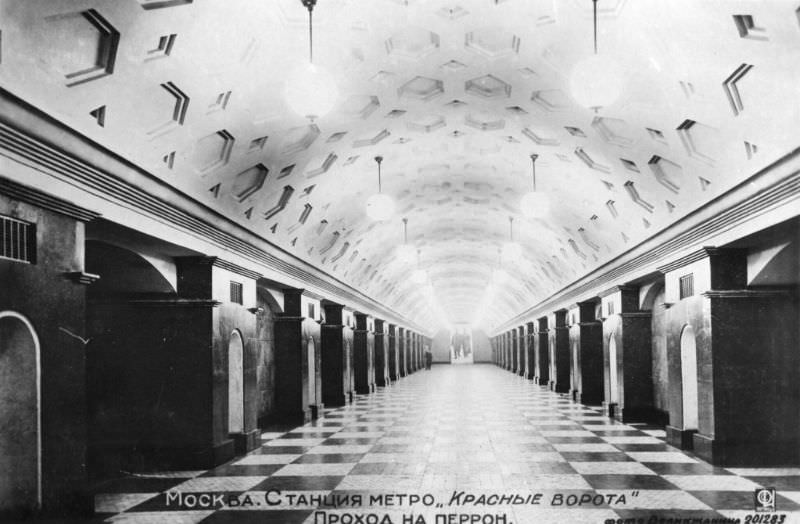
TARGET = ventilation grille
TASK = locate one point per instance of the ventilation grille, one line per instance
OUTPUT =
(17, 240)
(237, 292)
(686, 286)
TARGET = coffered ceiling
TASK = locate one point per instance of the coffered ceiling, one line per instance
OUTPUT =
(454, 94)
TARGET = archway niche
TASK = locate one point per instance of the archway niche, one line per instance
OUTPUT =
(235, 383)
(20, 411)
(689, 378)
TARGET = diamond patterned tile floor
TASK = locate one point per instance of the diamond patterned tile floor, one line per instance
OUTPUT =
(476, 429)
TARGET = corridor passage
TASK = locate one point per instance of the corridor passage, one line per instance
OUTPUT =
(472, 429)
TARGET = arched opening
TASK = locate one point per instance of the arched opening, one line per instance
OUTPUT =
(20, 403)
(235, 383)
(613, 378)
(689, 377)
(312, 372)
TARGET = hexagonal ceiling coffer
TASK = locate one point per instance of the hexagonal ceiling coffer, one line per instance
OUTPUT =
(300, 138)
(212, 151)
(492, 42)
(421, 88)
(249, 181)
(613, 130)
(488, 86)
(360, 106)
(412, 43)
(551, 99)
(427, 123)
(83, 46)
(484, 120)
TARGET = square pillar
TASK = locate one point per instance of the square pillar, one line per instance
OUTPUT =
(530, 355)
(733, 360)
(514, 350)
(558, 338)
(586, 353)
(333, 355)
(392, 355)
(627, 356)
(401, 352)
(361, 346)
(292, 372)
(381, 358)
(542, 345)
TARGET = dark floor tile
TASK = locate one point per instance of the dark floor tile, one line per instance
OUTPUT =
(333, 441)
(699, 468)
(258, 517)
(231, 470)
(546, 468)
(786, 483)
(575, 440)
(282, 450)
(726, 499)
(298, 483)
(372, 468)
(621, 432)
(644, 447)
(628, 482)
(315, 434)
(137, 485)
(522, 448)
(395, 448)
(598, 456)
(330, 458)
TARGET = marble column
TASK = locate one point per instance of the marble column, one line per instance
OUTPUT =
(558, 338)
(542, 350)
(586, 353)
(381, 369)
(333, 386)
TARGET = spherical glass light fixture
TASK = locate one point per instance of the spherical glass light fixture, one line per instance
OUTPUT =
(380, 206)
(310, 90)
(499, 276)
(597, 80)
(511, 251)
(406, 253)
(419, 276)
(535, 204)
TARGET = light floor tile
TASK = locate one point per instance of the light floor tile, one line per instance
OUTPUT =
(712, 482)
(661, 456)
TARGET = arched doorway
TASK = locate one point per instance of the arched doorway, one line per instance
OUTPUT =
(235, 383)
(20, 440)
(613, 378)
(312, 372)
(689, 377)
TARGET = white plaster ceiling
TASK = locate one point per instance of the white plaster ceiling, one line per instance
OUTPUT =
(454, 94)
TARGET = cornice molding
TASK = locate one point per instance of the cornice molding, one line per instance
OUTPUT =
(774, 186)
(35, 197)
(747, 293)
(34, 139)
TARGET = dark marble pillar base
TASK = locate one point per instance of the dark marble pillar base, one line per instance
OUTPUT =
(680, 438)
(317, 411)
(244, 442)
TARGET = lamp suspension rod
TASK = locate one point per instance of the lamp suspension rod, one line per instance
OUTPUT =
(309, 4)
(379, 159)
(534, 156)
(595, 25)
(405, 231)
(511, 228)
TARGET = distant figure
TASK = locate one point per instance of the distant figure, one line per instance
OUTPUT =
(428, 357)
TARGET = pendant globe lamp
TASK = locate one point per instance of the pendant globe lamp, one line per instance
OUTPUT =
(380, 206)
(499, 275)
(597, 80)
(419, 276)
(534, 204)
(310, 90)
(512, 251)
(405, 251)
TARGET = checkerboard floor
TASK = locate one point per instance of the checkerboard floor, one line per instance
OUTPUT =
(475, 429)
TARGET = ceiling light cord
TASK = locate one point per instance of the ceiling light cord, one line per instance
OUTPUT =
(379, 159)
(309, 4)
(534, 156)
(595, 25)
(511, 228)
(405, 231)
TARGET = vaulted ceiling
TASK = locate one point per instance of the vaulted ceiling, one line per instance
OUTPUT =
(454, 94)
